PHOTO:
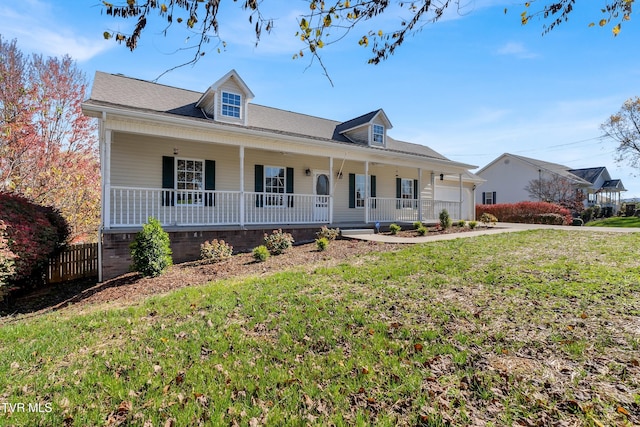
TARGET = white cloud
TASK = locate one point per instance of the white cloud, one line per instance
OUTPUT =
(38, 30)
(516, 49)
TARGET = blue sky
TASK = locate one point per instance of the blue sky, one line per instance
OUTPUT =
(473, 86)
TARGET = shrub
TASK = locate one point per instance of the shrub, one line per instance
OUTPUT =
(445, 219)
(260, 253)
(577, 222)
(473, 224)
(322, 243)
(524, 212)
(278, 242)
(151, 250)
(549, 219)
(394, 228)
(422, 230)
(587, 214)
(462, 223)
(328, 233)
(7, 259)
(417, 225)
(487, 218)
(34, 234)
(215, 251)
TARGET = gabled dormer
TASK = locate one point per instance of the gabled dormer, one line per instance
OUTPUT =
(369, 129)
(227, 100)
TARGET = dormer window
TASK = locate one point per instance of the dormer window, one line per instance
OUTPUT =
(231, 104)
(378, 134)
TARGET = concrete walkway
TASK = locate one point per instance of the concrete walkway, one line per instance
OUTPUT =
(497, 229)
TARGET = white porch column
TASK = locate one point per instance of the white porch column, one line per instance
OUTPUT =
(461, 198)
(366, 192)
(242, 186)
(331, 190)
(420, 194)
(106, 190)
(433, 194)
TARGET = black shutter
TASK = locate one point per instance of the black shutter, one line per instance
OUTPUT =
(373, 191)
(415, 193)
(398, 192)
(494, 197)
(168, 180)
(259, 185)
(484, 198)
(289, 188)
(210, 182)
(352, 190)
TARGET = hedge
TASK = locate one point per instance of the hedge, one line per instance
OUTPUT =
(528, 213)
(34, 232)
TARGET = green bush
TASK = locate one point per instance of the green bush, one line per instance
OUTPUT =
(473, 224)
(578, 222)
(422, 230)
(394, 228)
(328, 233)
(278, 242)
(462, 223)
(260, 253)
(215, 251)
(322, 243)
(445, 219)
(151, 250)
(417, 225)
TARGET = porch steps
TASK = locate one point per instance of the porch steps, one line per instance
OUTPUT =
(357, 232)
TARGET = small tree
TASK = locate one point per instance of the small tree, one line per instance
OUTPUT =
(623, 127)
(445, 219)
(150, 250)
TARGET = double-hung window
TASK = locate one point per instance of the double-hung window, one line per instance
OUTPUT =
(189, 181)
(231, 104)
(378, 134)
(360, 191)
(274, 185)
(406, 193)
(489, 198)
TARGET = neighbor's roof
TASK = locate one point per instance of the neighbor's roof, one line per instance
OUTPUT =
(116, 90)
(613, 184)
(589, 174)
(554, 168)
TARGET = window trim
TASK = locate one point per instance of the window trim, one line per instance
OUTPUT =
(195, 192)
(407, 202)
(231, 105)
(268, 195)
(381, 134)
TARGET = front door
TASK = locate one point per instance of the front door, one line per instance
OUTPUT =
(321, 191)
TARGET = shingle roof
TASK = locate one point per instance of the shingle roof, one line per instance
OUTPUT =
(613, 184)
(588, 174)
(555, 168)
(118, 90)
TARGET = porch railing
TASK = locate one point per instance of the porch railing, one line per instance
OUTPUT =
(130, 207)
(409, 210)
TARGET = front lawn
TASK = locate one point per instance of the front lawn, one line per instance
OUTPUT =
(616, 221)
(532, 328)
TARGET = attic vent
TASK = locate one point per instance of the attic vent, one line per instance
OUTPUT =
(506, 161)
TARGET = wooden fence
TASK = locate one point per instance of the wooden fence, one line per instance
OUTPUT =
(75, 262)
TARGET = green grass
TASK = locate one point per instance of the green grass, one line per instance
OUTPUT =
(539, 326)
(616, 221)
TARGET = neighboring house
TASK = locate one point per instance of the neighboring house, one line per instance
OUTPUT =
(603, 190)
(214, 165)
(507, 177)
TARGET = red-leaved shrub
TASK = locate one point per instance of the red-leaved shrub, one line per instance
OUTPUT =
(34, 232)
(528, 213)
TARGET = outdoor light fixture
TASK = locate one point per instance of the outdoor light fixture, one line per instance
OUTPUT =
(339, 175)
(175, 151)
(307, 172)
(441, 177)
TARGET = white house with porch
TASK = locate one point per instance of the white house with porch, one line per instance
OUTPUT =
(215, 165)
